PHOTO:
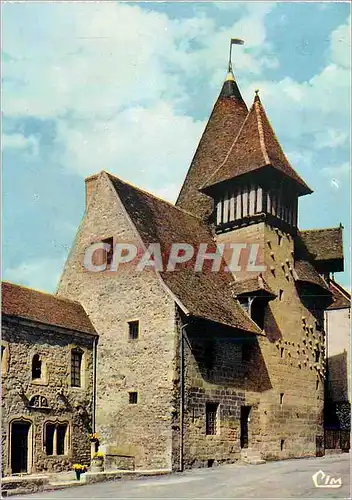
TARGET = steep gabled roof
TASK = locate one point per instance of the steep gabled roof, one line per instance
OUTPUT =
(204, 294)
(227, 116)
(341, 297)
(255, 147)
(22, 302)
(256, 285)
(305, 272)
(324, 244)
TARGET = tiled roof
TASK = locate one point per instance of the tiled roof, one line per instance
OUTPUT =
(255, 147)
(324, 244)
(224, 123)
(49, 309)
(341, 297)
(305, 271)
(204, 294)
(252, 285)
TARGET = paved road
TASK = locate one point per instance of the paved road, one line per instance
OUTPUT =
(285, 479)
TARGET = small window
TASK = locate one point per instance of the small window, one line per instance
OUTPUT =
(101, 256)
(36, 367)
(279, 239)
(281, 293)
(317, 384)
(133, 330)
(211, 410)
(76, 366)
(246, 351)
(55, 439)
(61, 430)
(282, 352)
(282, 444)
(317, 356)
(110, 253)
(49, 438)
(281, 398)
(2, 352)
(133, 398)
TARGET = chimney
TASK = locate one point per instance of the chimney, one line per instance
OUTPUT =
(90, 186)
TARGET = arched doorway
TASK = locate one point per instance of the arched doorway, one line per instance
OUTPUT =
(20, 446)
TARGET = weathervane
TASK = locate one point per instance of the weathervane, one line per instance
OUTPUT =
(234, 41)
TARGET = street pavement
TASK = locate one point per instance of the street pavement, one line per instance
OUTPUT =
(283, 479)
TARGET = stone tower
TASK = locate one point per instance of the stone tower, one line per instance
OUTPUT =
(249, 378)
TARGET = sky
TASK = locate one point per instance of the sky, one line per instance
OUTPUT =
(128, 88)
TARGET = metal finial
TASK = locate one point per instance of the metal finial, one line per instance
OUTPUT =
(256, 91)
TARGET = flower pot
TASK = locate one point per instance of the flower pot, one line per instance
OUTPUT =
(97, 465)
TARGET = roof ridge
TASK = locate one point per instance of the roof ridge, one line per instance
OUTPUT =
(54, 295)
(231, 148)
(321, 229)
(257, 108)
(340, 288)
(148, 193)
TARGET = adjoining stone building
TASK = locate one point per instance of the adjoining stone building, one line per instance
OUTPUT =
(338, 380)
(198, 368)
(47, 361)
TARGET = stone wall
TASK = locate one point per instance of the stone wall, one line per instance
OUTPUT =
(145, 365)
(65, 404)
(214, 373)
(284, 359)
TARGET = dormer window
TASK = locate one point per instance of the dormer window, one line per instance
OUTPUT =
(253, 295)
(255, 307)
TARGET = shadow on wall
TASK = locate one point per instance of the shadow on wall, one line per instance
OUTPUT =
(227, 357)
(337, 377)
(272, 329)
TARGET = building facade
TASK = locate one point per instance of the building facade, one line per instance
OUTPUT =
(197, 368)
(338, 381)
(47, 362)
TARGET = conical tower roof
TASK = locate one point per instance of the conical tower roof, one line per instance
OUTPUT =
(228, 115)
(256, 146)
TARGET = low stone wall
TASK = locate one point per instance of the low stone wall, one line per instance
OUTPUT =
(20, 485)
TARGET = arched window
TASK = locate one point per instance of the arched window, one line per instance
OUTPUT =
(76, 367)
(36, 367)
(56, 438)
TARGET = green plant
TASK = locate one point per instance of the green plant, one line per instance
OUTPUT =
(99, 455)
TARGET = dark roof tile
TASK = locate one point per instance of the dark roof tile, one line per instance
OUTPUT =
(45, 308)
(204, 294)
(223, 125)
(323, 244)
(255, 147)
(341, 297)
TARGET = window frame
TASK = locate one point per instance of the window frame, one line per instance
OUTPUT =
(212, 427)
(74, 351)
(56, 424)
(130, 324)
(131, 395)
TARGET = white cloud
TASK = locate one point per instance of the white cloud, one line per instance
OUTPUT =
(340, 46)
(337, 172)
(20, 142)
(139, 142)
(41, 274)
(97, 69)
(330, 138)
